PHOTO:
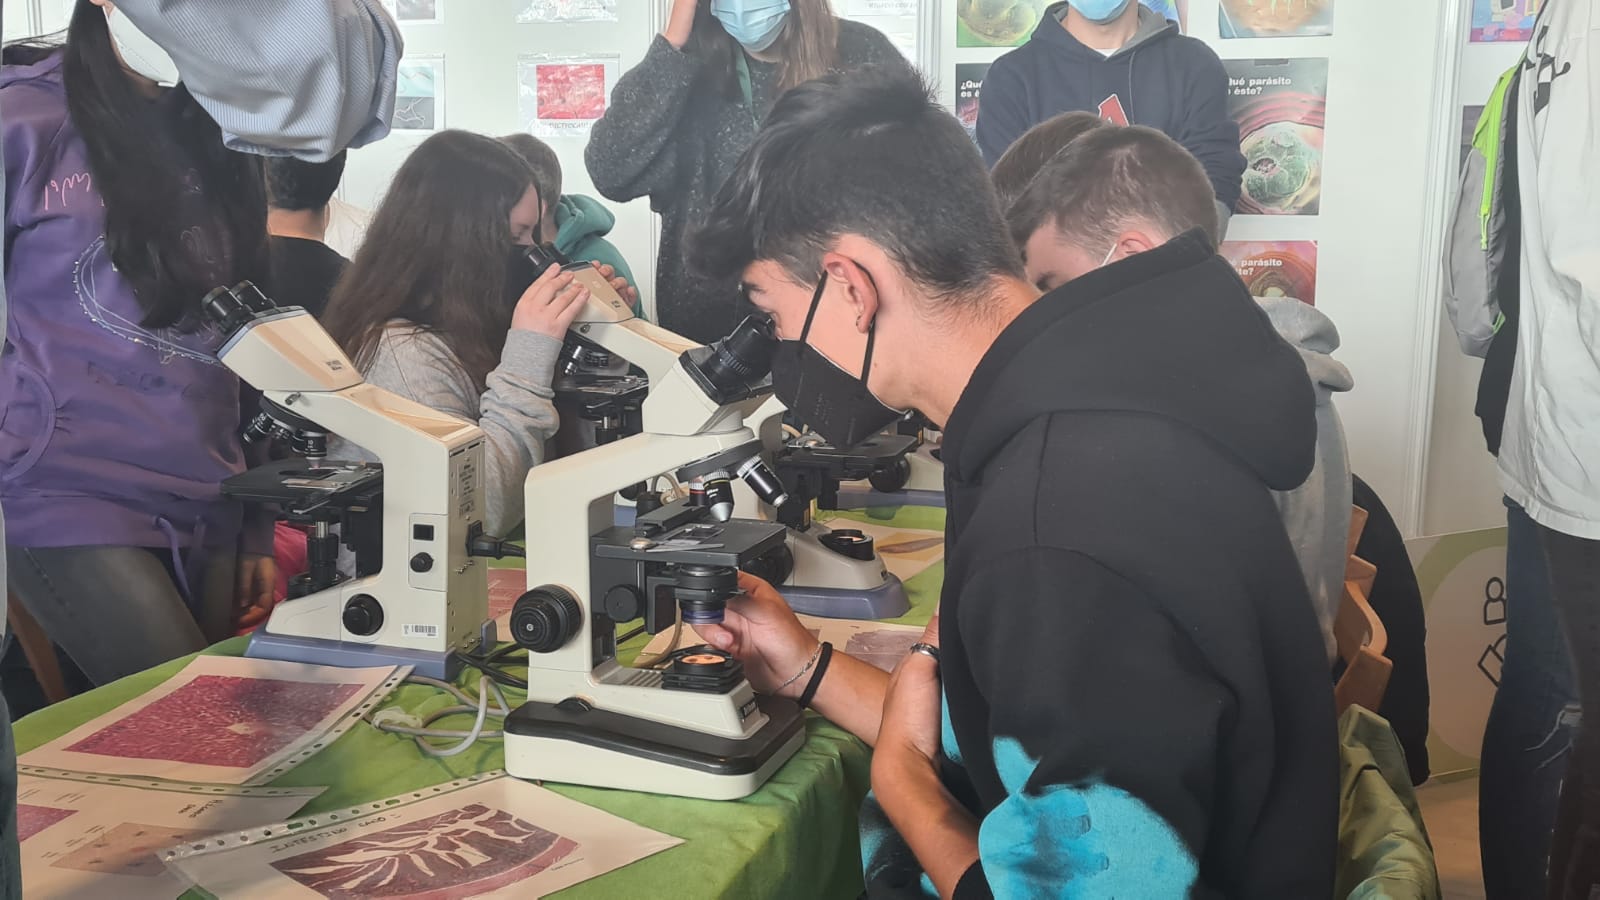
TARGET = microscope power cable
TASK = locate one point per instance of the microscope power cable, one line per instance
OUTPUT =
(464, 739)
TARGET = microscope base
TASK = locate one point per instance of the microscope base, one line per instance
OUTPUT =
(344, 655)
(574, 743)
(886, 601)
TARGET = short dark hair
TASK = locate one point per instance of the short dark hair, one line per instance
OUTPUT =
(1113, 178)
(295, 184)
(867, 152)
(1037, 146)
(546, 165)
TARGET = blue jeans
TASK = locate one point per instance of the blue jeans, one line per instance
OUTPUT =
(1531, 728)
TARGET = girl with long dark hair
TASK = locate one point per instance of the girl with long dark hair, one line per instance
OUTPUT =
(123, 209)
(430, 307)
(680, 120)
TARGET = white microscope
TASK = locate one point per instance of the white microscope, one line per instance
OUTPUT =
(694, 728)
(418, 596)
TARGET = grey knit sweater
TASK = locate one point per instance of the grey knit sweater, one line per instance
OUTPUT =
(674, 137)
(515, 411)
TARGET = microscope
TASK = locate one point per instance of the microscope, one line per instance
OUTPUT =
(418, 597)
(694, 727)
(836, 572)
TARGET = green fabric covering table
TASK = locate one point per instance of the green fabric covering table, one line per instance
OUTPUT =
(796, 837)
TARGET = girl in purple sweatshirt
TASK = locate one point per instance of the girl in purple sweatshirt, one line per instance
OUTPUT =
(123, 209)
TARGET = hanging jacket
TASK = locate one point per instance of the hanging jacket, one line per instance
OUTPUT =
(1550, 451)
(1483, 251)
(112, 433)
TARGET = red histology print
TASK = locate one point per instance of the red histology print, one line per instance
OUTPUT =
(505, 586)
(33, 819)
(465, 852)
(569, 91)
(220, 720)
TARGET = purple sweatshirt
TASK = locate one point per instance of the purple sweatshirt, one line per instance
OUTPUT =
(111, 434)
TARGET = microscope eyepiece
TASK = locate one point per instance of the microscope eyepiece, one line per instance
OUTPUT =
(735, 367)
(232, 308)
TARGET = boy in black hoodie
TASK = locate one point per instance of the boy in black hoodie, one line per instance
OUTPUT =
(1128, 65)
(1129, 705)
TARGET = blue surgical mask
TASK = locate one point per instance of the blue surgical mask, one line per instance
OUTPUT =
(755, 24)
(1100, 12)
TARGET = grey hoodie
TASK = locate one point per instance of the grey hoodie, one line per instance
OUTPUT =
(1317, 513)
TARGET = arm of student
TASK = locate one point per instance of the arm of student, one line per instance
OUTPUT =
(516, 410)
(1564, 148)
(1102, 712)
(1210, 134)
(1002, 111)
(762, 632)
(632, 150)
(300, 77)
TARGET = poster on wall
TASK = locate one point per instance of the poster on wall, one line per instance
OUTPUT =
(1275, 268)
(1503, 21)
(416, 12)
(419, 95)
(563, 95)
(969, 81)
(1462, 577)
(1469, 126)
(1274, 18)
(537, 11)
(1009, 23)
(1280, 105)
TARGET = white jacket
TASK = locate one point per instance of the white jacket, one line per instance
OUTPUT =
(1550, 455)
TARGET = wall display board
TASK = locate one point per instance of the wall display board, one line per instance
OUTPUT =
(1503, 21)
(1273, 269)
(969, 82)
(1274, 18)
(1281, 106)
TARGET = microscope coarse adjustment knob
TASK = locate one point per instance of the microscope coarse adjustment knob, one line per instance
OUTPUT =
(422, 562)
(363, 615)
(545, 619)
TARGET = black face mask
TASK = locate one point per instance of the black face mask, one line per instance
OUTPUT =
(829, 400)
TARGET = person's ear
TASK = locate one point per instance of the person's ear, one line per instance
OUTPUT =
(1139, 240)
(857, 286)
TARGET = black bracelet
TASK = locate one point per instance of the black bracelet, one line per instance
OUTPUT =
(810, 692)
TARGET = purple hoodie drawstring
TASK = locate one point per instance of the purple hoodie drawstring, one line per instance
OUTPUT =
(181, 569)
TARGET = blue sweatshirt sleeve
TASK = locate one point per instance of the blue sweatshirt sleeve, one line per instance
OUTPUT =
(1002, 110)
(1208, 131)
(1105, 741)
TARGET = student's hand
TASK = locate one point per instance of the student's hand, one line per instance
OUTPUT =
(255, 583)
(680, 22)
(628, 292)
(550, 304)
(761, 631)
(909, 736)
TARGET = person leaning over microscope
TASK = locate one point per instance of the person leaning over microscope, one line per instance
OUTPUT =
(1115, 699)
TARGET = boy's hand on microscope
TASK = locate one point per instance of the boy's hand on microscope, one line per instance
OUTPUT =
(550, 304)
(626, 291)
(761, 631)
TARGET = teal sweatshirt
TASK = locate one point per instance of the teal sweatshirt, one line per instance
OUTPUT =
(581, 226)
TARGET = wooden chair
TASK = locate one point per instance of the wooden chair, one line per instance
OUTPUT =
(38, 648)
(1358, 632)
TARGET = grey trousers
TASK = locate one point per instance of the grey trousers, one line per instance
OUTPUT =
(118, 610)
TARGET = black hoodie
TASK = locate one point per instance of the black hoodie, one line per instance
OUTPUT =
(1160, 78)
(1137, 701)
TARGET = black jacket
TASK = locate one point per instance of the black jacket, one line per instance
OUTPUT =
(1136, 689)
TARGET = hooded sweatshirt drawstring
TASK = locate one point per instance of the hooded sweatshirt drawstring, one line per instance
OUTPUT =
(183, 571)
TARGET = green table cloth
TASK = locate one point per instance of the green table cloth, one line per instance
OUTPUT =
(796, 837)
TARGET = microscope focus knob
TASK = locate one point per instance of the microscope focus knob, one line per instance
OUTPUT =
(545, 619)
(363, 615)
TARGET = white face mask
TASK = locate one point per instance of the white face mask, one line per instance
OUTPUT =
(1109, 253)
(139, 52)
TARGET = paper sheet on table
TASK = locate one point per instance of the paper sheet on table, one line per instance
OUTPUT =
(85, 836)
(485, 836)
(875, 643)
(223, 720)
(904, 551)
